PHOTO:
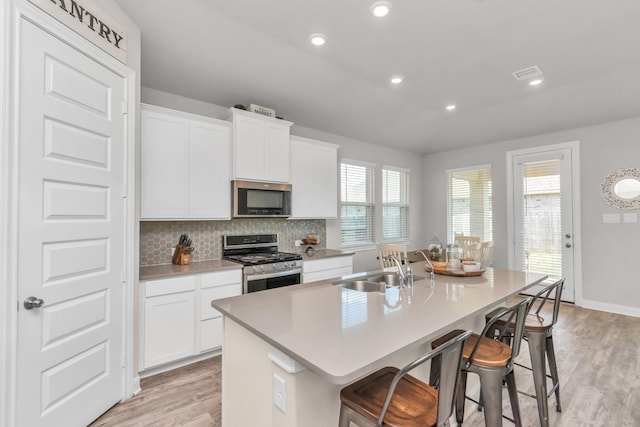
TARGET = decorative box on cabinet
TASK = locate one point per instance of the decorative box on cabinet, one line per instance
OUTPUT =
(326, 268)
(260, 146)
(314, 177)
(185, 166)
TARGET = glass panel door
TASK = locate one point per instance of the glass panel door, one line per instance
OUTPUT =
(543, 216)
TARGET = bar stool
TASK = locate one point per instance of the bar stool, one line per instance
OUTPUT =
(393, 397)
(492, 360)
(538, 332)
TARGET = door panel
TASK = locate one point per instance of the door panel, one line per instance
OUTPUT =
(71, 233)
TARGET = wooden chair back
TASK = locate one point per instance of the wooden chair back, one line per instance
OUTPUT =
(466, 240)
(385, 250)
(485, 254)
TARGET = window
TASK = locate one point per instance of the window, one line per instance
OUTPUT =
(395, 204)
(357, 204)
(469, 203)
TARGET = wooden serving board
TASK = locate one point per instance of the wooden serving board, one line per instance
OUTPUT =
(458, 273)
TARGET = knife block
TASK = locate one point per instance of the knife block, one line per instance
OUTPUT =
(180, 257)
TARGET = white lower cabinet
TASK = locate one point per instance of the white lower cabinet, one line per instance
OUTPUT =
(326, 268)
(169, 310)
(177, 320)
(169, 333)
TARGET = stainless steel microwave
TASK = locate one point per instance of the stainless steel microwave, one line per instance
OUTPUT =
(253, 199)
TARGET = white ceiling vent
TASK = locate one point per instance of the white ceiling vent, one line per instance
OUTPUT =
(527, 73)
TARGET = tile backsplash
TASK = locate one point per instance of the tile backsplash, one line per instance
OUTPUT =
(158, 237)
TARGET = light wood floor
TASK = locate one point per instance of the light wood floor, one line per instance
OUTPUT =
(598, 358)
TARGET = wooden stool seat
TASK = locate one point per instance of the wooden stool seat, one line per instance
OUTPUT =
(414, 403)
(392, 397)
(490, 352)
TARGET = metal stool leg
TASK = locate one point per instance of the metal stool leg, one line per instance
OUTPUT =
(537, 346)
(513, 398)
(551, 358)
(460, 397)
(347, 415)
(491, 389)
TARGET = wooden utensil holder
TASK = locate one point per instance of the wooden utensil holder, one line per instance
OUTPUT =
(180, 256)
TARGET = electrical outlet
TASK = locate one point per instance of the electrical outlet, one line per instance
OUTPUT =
(173, 250)
(611, 218)
(279, 393)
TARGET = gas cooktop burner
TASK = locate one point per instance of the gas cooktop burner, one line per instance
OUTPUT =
(263, 257)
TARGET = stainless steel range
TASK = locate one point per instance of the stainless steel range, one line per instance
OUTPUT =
(264, 266)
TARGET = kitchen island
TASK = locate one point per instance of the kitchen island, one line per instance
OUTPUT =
(302, 344)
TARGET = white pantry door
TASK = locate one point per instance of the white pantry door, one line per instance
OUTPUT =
(544, 214)
(71, 233)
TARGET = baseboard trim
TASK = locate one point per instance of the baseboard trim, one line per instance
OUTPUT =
(178, 363)
(135, 386)
(611, 308)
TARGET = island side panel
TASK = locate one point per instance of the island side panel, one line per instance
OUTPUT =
(247, 387)
(246, 378)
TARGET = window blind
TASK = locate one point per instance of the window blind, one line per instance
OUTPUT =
(542, 218)
(469, 203)
(357, 203)
(395, 204)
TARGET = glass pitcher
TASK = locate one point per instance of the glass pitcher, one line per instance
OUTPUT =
(453, 255)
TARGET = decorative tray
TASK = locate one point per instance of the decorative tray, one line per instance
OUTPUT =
(459, 273)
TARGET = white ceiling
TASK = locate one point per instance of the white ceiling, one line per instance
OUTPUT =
(450, 51)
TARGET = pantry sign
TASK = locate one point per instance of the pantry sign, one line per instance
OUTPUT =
(89, 21)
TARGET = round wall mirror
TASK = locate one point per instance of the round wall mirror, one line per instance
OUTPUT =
(621, 188)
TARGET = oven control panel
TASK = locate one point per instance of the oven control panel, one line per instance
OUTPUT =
(273, 267)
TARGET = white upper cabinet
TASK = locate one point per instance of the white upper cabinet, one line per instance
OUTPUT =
(314, 179)
(260, 147)
(185, 166)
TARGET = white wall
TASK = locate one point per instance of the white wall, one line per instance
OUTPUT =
(609, 251)
(349, 148)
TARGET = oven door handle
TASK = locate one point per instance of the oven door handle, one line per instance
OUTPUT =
(270, 275)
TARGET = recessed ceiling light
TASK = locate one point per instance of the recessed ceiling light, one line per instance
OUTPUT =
(318, 39)
(397, 79)
(380, 9)
(535, 82)
(450, 107)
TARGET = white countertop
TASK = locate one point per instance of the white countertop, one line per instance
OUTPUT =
(342, 334)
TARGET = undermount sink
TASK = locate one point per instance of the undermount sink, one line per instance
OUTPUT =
(391, 279)
(372, 283)
(359, 285)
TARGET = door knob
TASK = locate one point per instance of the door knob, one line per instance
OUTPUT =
(568, 245)
(33, 302)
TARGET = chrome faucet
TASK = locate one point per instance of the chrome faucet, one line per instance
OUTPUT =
(403, 277)
(426, 258)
